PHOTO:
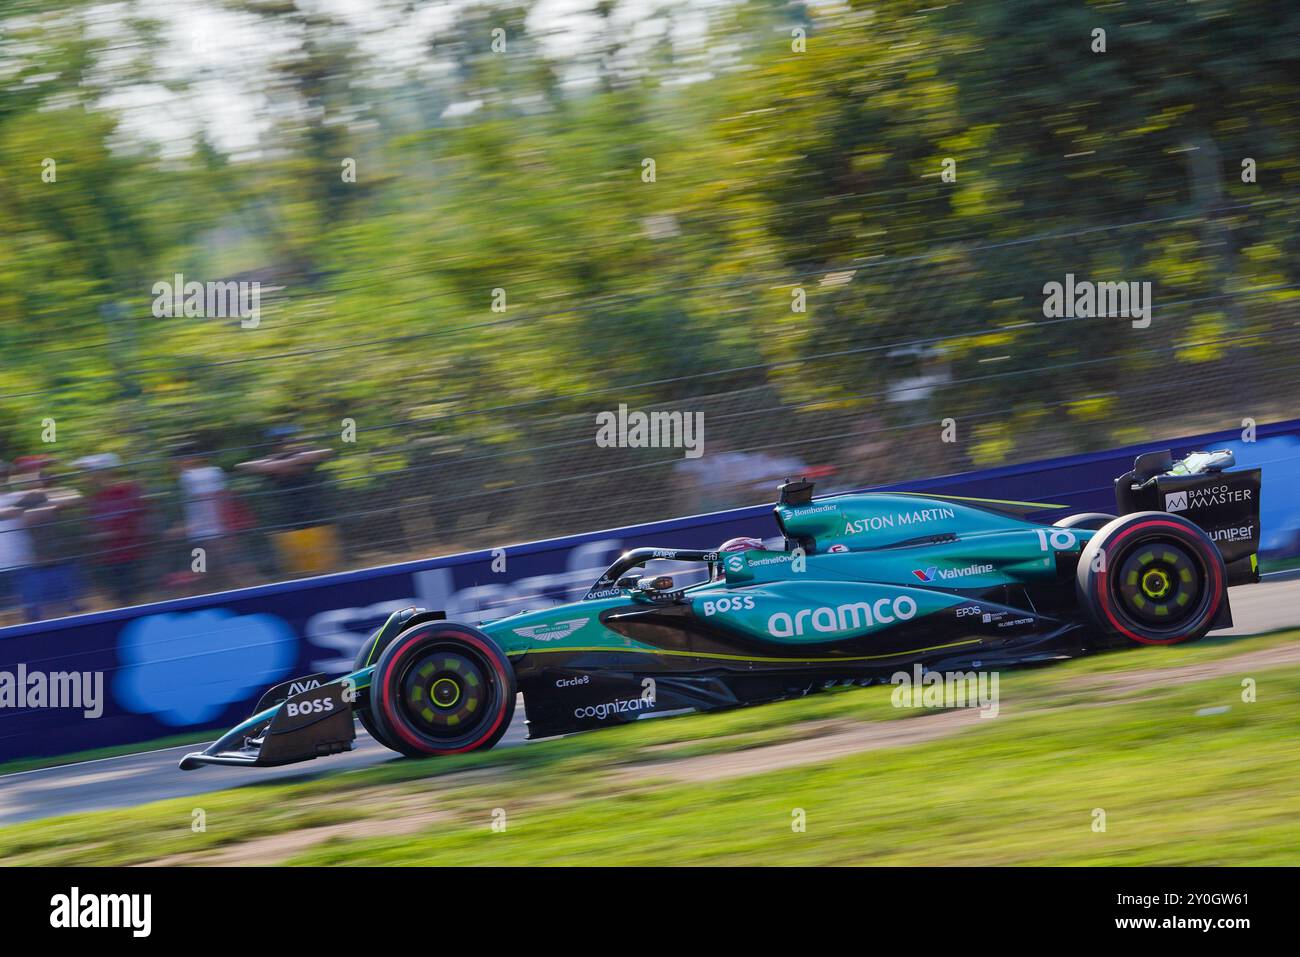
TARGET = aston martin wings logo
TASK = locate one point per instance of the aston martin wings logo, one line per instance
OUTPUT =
(553, 631)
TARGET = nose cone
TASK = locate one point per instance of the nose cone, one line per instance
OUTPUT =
(191, 761)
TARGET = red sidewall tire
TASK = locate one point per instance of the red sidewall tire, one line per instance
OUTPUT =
(397, 729)
(1118, 538)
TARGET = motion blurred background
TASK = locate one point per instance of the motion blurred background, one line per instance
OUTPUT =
(797, 153)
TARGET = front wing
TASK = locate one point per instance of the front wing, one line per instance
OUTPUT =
(308, 724)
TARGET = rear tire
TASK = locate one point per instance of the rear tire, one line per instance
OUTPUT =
(442, 688)
(1153, 578)
(1092, 520)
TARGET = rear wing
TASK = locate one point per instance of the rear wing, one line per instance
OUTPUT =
(1198, 487)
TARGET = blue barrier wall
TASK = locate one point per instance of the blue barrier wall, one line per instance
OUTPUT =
(198, 663)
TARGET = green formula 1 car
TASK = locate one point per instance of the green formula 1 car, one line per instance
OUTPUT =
(865, 585)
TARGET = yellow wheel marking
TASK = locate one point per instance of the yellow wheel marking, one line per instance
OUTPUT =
(453, 684)
(1155, 584)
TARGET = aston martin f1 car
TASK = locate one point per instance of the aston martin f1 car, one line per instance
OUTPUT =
(864, 585)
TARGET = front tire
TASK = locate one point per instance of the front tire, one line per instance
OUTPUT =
(362, 709)
(442, 688)
(1152, 577)
(367, 722)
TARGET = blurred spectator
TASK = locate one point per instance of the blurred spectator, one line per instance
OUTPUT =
(117, 519)
(202, 485)
(868, 456)
(203, 496)
(304, 542)
(722, 479)
(49, 578)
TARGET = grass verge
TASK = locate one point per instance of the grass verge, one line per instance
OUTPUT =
(1176, 787)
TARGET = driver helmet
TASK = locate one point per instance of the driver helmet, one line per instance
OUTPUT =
(741, 544)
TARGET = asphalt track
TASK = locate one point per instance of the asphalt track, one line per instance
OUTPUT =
(153, 776)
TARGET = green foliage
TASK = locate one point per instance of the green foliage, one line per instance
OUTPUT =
(776, 169)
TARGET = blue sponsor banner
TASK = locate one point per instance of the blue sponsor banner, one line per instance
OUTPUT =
(200, 663)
